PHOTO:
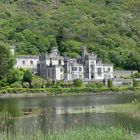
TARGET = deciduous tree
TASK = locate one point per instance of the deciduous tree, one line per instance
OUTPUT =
(6, 60)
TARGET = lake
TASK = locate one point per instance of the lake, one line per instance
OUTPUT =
(53, 114)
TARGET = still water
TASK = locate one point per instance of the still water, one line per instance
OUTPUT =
(53, 114)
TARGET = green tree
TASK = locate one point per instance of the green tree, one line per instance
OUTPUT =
(15, 75)
(27, 77)
(133, 61)
(111, 30)
(6, 60)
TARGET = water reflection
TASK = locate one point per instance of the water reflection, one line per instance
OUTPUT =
(8, 111)
(60, 113)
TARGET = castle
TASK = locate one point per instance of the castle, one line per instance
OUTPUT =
(55, 67)
(87, 67)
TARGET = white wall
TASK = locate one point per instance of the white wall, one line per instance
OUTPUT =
(106, 72)
(92, 63)
(77, 74)
(26, 62)
(59, 73)
(97, 76)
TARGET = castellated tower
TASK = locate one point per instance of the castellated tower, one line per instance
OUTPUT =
(83, 53)
(83, 50)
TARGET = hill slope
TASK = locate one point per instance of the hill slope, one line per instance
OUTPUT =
(110, 28)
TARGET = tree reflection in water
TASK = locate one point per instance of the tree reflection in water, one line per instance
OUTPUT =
(49, 115)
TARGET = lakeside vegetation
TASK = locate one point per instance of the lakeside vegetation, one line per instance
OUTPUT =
(64, 91)
(24, 81)
(84, 133)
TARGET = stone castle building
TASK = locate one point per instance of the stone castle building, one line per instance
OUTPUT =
(55, 67)
(25, 61)
(87, 67)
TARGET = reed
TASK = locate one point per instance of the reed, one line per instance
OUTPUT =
(84, 133)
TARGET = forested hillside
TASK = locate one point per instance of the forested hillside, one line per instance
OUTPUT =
(110, 28)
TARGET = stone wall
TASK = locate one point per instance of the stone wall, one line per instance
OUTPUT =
(123, 73)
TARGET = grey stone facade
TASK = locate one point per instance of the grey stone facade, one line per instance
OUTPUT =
(123, 73)
(87, 68)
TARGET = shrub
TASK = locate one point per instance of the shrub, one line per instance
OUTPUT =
(99, 84)
(67, 84)
(136, 83)
(37, 90)
(4, 91)
(26, 85)
(58, 84)
(16, 85)
(36, 83)
(16, 90)
(3, 83)
(78, 83)
(48, 83)
(136, 75)
(109, 83)
(91, 85)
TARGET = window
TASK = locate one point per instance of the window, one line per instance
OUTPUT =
(99, 71)
(108, 69)
(23, 62)
(31, 62)
(80, 69)
(61, 76)
(74, 68)
(61, 69)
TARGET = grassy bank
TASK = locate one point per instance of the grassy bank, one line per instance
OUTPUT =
(85, 133)
(59, 91)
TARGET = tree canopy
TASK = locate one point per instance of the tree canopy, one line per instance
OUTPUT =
(6, 60)
(110, 28)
